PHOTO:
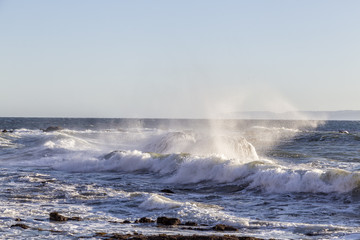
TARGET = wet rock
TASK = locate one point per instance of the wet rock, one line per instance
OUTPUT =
(190, 224)
(167, 191)
(100, 234)
(7, 131)
(39, 229)
(222, 228)
(75, 219)
(52, 129)
(55, 216)
(144, 220)
(126, 221)
(168, 221)
(114, 221)
(176, 237)
(18, 219)
(252, 238)
(20, 225)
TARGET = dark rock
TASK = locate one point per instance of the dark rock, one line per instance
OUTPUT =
(114, 221)
(146, 220)
(55, 231)
(75, 219)
(52, 129)
(222, 228)
(168, 221)
(190, 224)
(18, 219)
(100, 234)
(55, 216)
(126, 221)
(252, 238)
(175, 237)
(167, 191)
(21, 225)
(7, 131)
(39, 229)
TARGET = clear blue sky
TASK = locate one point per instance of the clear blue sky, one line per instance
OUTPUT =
(182, 58)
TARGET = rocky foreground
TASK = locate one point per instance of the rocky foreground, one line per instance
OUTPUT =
(178, 237)
(161, 222)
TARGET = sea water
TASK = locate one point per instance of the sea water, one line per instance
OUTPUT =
(269, 179)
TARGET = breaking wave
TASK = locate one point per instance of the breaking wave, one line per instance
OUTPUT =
(179, 157)
(265, 175)
(231, 147)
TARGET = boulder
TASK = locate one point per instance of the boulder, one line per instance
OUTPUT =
(168, 221)
(166, 191)
(52, 129)
(222, 228)
(55, 216)
(100, 234)
(21, 225)
(144, 220)
(190, 224)
(75, 218)
(7, 131)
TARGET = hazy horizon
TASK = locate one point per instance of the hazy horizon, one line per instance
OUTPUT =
(248, 115)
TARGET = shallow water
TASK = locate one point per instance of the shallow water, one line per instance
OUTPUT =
(270, 179)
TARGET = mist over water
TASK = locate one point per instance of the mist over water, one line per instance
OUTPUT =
(273, 179)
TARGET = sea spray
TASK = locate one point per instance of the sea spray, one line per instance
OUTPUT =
(306, 185)
(201, 144)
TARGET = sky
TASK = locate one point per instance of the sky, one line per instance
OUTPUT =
(177, 59)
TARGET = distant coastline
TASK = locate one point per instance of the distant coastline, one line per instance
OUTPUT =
(296, 115)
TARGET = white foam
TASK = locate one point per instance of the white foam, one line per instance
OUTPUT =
(155, 201)
(277, 129)
(68, 142)
(209, 160)
(127, 161)
(6, 143)
(282, 180)
(184, 169)
(213, 168)
(200, 144)
(210, 215)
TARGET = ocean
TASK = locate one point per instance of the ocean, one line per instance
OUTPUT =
(269, 179)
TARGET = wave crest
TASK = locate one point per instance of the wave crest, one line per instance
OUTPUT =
(231, 147)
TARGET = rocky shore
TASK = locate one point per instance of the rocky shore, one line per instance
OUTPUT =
(160, 222)
(177, 237)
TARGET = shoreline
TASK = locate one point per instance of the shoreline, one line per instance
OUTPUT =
(224, 231)
(116, 236)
